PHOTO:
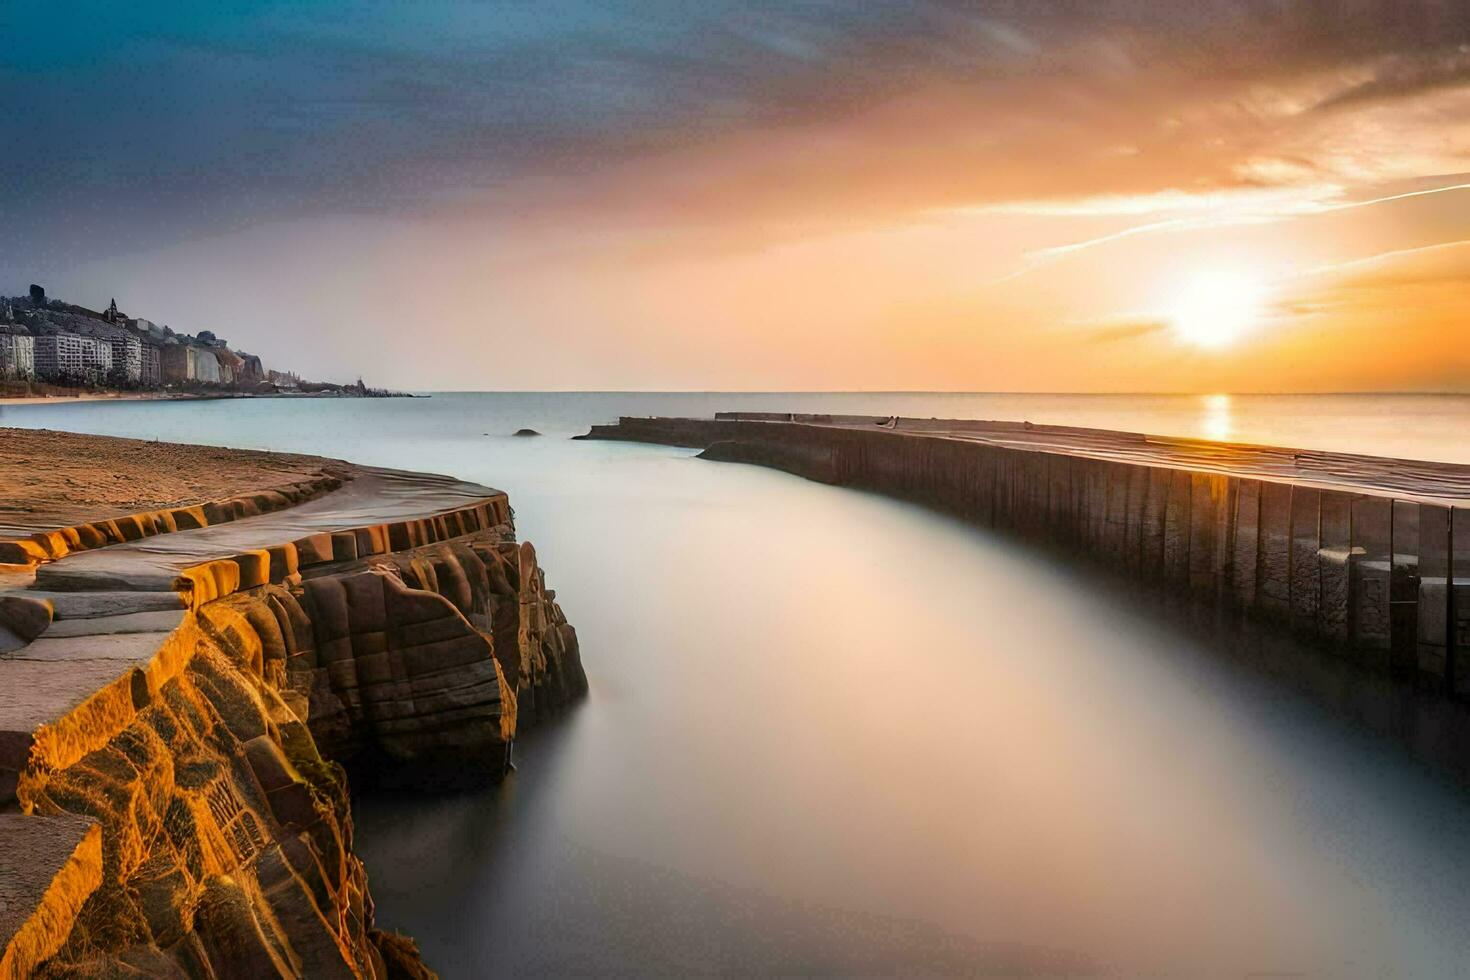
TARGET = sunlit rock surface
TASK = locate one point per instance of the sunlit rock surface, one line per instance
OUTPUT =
(175, 760)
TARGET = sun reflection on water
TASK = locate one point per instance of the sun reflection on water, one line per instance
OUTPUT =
(1216, 422)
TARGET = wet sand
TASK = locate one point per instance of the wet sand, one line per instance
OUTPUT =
(111, 396)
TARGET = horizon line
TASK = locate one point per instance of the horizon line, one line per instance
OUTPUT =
(929, 391)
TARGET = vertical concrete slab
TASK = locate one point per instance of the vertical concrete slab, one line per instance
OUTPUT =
(1176, 530)
(1225, 489)
(921, 471)
(888, 465)
(1460, 601)
(1083, 486)
(1036, 496)
(1246, 544)
(1155, 518)
(1371, 559)
(998, 459)
(1333, 558)
(1092, 488)
(1306, 539)
(846, 455)
(956, 478)
(985, 486)
(1115, 534)
(882, 461)
(1273, 574)
(1433, 625)
(977, 494)
(1135, 507)
(1021, 516)
(959, 466)
(1001, 511)
(1404, 588)
(1203, 527)
(1060, 505)
(1077, 488)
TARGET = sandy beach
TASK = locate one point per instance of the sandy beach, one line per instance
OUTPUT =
(120, 396)
(49, 479)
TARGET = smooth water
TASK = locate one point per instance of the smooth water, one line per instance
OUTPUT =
(832, 732)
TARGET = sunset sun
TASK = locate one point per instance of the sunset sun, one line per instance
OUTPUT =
(1213, 308)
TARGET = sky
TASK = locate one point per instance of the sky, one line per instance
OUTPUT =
(1112, 195)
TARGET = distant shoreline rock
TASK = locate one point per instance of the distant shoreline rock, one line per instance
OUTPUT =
(523, 433)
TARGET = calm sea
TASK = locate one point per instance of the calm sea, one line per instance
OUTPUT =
(830, 732)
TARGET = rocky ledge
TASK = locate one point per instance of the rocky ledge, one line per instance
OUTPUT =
(180, 710)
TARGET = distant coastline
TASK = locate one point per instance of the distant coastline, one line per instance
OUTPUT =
(51, 348)
(45, 398)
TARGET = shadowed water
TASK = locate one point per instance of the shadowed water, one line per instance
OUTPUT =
(832, 732)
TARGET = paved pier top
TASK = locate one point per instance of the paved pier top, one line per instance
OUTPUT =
(373, 497)
(1420, 479)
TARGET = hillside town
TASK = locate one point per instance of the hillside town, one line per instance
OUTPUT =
(49, 343)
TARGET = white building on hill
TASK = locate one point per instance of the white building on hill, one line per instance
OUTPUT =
(206, 366)
(127, 355)
(17, 356)
(67, 355)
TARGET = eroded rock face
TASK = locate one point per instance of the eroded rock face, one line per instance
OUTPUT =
(226, 838)
(223, 803)
(496, 584)
(416, 667)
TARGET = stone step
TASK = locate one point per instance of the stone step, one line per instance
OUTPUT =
(120, 648)
(22, 619)
(64, 576)
(94, 605)
(157, 621)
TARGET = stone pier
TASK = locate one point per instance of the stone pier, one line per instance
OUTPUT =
(184, 690)
(1370, 556)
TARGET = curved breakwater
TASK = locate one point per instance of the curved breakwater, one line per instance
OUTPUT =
(1368, 556)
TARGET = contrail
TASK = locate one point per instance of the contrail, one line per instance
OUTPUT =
(1104, 239)
(1379, 257)
(1045, 256)
(1392, 197)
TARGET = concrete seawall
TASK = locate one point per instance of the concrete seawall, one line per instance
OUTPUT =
(1369, 556)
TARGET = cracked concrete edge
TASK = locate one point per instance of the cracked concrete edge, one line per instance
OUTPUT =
(219, 577)
(51, 545)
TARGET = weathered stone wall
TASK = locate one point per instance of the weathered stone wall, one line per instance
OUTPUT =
(217, 778)
(1382, 579)
(226, 838)
(419, 666)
